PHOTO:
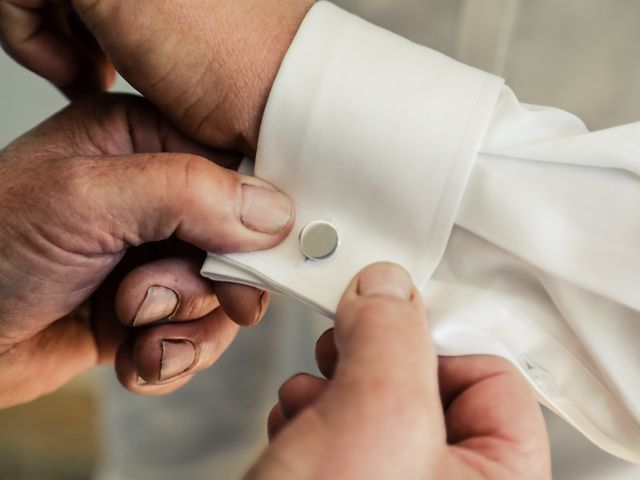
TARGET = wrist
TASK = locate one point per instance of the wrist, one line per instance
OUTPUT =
(209, 66)
(272, 26)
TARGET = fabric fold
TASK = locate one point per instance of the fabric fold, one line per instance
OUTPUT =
(520, 227)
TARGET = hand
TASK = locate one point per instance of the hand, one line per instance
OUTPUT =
(391, 410)
(81, 198)
(208, 64)
(47, 37)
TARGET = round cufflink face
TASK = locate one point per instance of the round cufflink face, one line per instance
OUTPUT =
(319, 240)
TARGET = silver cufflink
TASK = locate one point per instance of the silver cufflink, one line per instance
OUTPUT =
(319, 240)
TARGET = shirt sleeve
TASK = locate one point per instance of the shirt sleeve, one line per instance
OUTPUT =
(375, 135)
(520, 227)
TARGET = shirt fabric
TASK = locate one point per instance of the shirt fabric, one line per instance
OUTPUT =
(519, 225)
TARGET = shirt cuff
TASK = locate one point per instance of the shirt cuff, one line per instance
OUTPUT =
(375, 135)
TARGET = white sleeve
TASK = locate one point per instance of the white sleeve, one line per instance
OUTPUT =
(520, 227)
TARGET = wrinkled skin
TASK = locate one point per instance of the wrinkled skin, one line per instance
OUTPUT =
(77, 193)
(207, 64)
(389, 408)
(203, 63)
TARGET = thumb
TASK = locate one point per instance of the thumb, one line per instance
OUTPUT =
(150, 197)
(387, 362)
(383, 402)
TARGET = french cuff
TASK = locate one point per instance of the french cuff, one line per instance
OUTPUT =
(374, 135)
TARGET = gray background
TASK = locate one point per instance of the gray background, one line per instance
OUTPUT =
(26, 100)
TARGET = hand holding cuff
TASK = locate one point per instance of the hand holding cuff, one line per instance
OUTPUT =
(390, 128)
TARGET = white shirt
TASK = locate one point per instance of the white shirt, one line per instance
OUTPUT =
(521, 227)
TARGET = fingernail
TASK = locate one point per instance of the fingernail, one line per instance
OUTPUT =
(264, 210)
(178, 356)
(386, 280)
(264, 302)
(159, 303)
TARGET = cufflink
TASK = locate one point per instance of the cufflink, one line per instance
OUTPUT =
(319, 240)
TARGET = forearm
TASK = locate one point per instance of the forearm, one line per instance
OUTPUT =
(208, 65)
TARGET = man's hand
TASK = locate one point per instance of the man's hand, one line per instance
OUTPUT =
(81, 196)
(47, 37)
(391, 410)
(208, 64)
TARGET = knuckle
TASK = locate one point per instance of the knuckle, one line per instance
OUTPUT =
(179, 174)
(190, 171)
(189, 174)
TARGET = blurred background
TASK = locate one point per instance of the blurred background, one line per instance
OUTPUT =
(580, 55)
(56, 436)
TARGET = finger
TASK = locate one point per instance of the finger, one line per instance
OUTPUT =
(275, 421)
(490, 409)
(170, 289)
(201, 203)
(383, 340)
(244, 305)
(384, 392)
(37, 35)
(299, 392)
(36, 45)
(95, 71)
(109, 331)
(125, 372)
(327, 353)
(162, 356)
(294, 395)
